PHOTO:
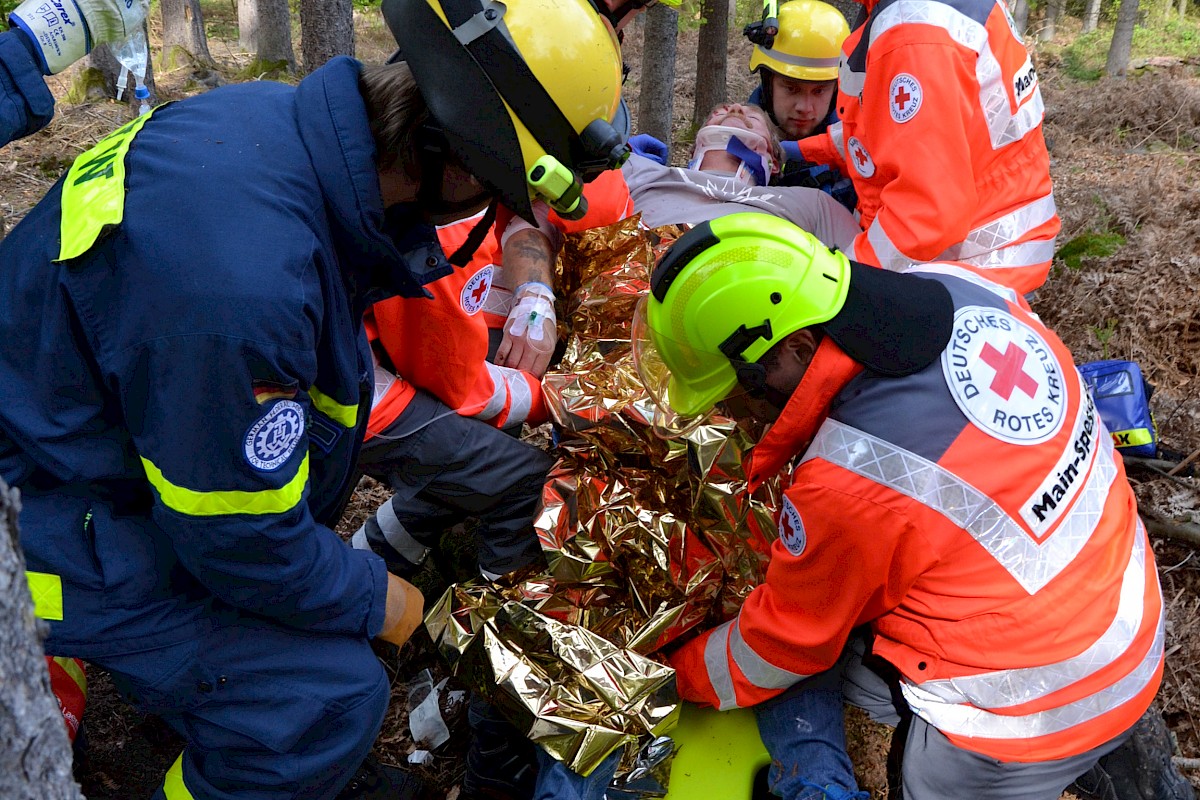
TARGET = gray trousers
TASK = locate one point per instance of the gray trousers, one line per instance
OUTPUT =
(444, 468)
(931, 767)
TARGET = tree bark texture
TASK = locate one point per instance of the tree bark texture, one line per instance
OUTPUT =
(1122, 41)
(1054, 10)
(658, 71)
(1020, 13)
(326, 30)
(265, 29)
(183, 29)
(1092, 18)
(711, 60)
(1183, 8)
(35, 760)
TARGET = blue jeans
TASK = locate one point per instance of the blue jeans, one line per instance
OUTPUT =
(805, 733)
(556, 781)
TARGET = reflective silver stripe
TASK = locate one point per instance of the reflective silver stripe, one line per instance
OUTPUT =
(1004, 127)
(849, 81)
(384, 381)
(799, 61)
(359, 540)
(520, 397)
(757, 669)
(716, 661)
(499, 300)
(838, 137)
(495, 403)
(1011, 687)
(965, 720)
(886, 253)
(1027, 254)
(398, 536)
(1003, 292)
(1031, 564)
(1004, 231)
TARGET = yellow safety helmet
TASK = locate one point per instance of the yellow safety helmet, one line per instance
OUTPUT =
(523, 92)
(808, 43)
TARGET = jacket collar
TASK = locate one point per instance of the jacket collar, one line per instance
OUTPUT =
(831, 369)
(380, 254)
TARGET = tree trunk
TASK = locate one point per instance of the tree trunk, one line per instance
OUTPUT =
(1092, 18)
(35, 761)
(265, 29)
(711, 60)
(1020, 13)
(1122, 41)
(183, 30)
(1183, 8)
(658, 72)
(326, 30)
(1054, 9)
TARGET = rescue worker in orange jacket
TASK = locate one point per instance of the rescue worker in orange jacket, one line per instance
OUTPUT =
(941, 130)
(953, 488)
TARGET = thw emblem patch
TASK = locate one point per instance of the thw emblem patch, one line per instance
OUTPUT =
(274, 436)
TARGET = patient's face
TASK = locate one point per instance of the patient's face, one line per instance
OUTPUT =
(736, 115)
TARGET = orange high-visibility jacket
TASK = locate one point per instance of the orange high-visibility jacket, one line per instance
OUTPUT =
(976, 515)
(441, 346)
(608, 202)
(941, 130)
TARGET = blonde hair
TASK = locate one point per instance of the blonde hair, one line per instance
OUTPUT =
(396, 111)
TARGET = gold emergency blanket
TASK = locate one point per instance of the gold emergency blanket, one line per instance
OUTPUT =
(646, 539)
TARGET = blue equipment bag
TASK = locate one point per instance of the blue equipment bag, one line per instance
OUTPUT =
(1122, 398)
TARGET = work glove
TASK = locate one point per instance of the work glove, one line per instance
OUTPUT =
(647, 146)
(531, 331)
(67, 30)
(404, 611)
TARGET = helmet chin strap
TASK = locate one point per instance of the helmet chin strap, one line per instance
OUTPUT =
(432, 157)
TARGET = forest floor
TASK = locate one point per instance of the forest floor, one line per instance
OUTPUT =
(1126, 169)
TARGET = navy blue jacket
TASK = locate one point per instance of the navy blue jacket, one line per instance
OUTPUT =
(26, 104)
(182, 405)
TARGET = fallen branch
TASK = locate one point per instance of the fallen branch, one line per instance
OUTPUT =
(1188, 532)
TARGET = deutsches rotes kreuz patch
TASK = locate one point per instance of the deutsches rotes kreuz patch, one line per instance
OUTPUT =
(1004, 377)
(476, 290)
(273, 438)
(860, 157)
(791, 528)
(904, 97)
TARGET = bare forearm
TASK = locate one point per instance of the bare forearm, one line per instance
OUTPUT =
(528, 257)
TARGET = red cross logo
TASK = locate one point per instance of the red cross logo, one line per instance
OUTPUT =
(860, 156)
(902, 97)
(478, 292)
(1009, 374)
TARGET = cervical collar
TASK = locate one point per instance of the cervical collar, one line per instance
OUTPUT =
(751, 149)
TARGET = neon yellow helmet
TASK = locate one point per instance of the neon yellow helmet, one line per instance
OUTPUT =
(722, 296)
(523, 92)
(808, 44)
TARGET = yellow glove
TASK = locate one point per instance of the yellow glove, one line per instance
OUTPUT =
(405, 608)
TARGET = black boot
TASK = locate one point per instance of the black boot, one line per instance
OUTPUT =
(501, 762)
(1140, 769)
(376, 781)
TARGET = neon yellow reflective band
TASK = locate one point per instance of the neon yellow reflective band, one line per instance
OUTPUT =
(46, 590)
(93, 195)
(346, 416)
(211, 504)
(173, 785)
(1132, 437)
(75, 671)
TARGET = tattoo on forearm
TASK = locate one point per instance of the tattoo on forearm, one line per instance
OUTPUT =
(527, 257)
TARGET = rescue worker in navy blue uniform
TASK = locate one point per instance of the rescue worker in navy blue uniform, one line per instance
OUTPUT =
(47, 38)
(798, 70)
(185, 383)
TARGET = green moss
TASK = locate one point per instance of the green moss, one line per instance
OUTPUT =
(89, 85)
(1089, 245)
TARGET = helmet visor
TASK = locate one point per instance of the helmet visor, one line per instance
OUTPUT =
(682, 405)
